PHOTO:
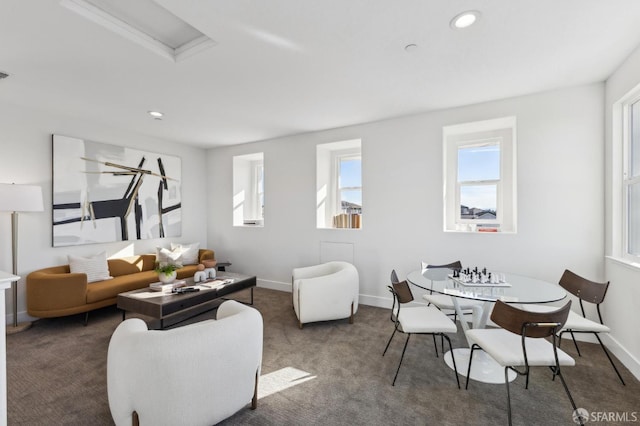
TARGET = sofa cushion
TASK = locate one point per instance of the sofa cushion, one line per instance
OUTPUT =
(96, 267)
(188, 252)
(131, 264)
(169, 257)
(110, 288)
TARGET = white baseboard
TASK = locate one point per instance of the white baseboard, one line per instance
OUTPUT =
(22, 317)
(625, 357)
(377, 301)
(274, 285)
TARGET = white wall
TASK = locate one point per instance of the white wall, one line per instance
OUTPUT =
(621, 303)
(25, 143)
(560, 197)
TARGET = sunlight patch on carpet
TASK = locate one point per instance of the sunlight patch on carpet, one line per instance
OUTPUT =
(282, 379)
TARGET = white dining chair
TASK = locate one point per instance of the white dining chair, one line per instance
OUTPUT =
(587, 291)
(521, 344)
(416, 320)
(443, 301)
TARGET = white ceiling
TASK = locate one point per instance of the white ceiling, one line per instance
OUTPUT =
(283, 67)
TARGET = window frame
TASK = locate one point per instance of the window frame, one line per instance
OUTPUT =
(497, 182)
(500, 131)
(247, 207)
(338, 157)
(258, 175)
(627, 180)
(328, 190)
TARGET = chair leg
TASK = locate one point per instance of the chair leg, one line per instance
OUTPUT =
(555, 373)
(389, 342)
(254, 400)
(401, 358)
(506, 382)
(435, 344)
(566, 389)
(473, 348)
(575, 343)
(351, 317)
(453, 358)
(609, 356)
(86, 318)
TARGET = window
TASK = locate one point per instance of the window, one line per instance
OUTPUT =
(631, 178)
(248, 190)
(339, 185)
(479, 174)
(258, 176)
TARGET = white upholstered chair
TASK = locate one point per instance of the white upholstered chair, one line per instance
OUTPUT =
(325, 292)
(198, 374)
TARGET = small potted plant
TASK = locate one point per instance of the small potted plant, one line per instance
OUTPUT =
(167, 271)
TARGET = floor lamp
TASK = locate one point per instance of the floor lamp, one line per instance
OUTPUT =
(14, 199)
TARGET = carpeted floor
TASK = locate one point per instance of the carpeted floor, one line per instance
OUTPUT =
(327, 373)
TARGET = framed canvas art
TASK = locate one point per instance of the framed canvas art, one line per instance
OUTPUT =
(104, 193)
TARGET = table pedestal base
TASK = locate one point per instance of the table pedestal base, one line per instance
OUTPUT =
(484, 368)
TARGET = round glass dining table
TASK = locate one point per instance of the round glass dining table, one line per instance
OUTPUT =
(516, 289)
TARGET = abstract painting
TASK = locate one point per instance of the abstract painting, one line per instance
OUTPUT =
(104, 193)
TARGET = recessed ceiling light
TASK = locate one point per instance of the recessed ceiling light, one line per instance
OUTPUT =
(465, 19)
(156, 114)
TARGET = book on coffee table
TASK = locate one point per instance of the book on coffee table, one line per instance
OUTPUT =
(167, 287)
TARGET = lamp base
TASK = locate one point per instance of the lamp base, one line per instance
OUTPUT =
(11, 329)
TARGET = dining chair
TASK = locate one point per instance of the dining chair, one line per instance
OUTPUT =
(587, 291)
(520, 343)
(416, 320)
(443, 301)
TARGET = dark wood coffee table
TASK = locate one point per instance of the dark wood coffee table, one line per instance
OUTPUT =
(178, 307)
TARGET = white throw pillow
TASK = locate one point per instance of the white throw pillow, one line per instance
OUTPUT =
(169, 257)
(189, 252)
(96, 267)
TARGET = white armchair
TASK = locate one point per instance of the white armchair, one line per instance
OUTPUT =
(325, 292)
(198, 374)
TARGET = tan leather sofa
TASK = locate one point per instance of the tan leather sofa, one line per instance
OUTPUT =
(55, 292)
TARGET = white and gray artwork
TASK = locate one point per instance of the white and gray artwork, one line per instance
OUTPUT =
(105, 193)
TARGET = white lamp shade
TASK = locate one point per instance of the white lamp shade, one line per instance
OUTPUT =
(20, 198)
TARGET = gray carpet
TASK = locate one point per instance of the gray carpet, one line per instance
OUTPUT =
(335, 373)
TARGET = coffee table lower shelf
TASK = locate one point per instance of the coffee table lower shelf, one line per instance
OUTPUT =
(171, 309)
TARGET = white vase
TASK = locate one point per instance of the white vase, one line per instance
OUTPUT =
(167, 277)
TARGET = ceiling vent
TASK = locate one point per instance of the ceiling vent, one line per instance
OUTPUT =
(146, 23)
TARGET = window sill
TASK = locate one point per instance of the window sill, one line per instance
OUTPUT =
(626, 263)
(458, 231)
(342, 229)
